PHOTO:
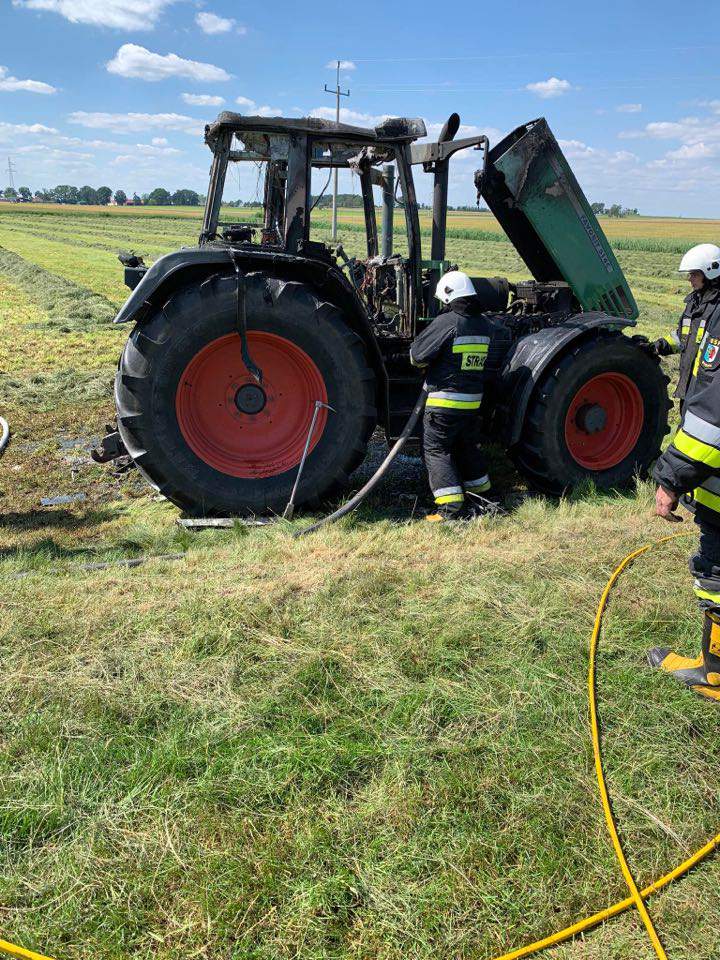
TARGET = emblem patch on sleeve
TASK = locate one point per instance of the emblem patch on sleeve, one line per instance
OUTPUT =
(711, 354)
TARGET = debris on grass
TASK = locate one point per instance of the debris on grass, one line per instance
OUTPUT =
(62, 499)
(222, 523)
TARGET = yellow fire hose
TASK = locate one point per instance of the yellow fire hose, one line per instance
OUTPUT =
(21, 952)
(637, 897)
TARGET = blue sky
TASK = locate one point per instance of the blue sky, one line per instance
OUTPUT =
(117, 92)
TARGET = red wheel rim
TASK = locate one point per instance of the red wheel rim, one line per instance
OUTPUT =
(227, 432)
(604, 421)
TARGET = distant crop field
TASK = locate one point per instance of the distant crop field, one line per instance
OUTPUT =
(368, 745)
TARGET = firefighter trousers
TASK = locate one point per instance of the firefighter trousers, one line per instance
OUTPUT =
(453, 458)
(705, 567)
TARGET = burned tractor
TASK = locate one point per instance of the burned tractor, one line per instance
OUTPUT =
(236, 340)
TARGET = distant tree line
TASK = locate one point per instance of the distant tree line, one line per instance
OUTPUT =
(615, 210)
(102, 196)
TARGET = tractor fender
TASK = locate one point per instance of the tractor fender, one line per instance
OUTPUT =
(195, 264)
(528, 360)
(163, 274)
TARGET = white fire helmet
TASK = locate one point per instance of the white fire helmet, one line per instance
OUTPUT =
(705, 258)
(453, 285)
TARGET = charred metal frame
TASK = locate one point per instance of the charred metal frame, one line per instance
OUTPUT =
(435, 159)
(292, 148)
(297, 206)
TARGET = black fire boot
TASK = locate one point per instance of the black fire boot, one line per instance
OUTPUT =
(701, 674)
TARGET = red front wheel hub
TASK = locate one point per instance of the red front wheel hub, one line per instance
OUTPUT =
(604, 421)
(240, 427)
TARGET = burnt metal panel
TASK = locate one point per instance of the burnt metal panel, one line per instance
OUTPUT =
(393, 129)
(432, 152)
(216, 187)
(387, 182)
(298, 193)
(412, 221)
(370, 217)
(534, 194)
(511, 218)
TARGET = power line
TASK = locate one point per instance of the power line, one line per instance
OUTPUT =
(626, 83)
(544, 53)
(337, 92)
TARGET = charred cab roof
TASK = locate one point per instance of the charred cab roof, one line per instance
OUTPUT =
(392, 130)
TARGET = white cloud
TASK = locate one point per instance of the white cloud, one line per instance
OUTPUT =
(202, 100)
(353, 117)
(152, 150)
(10, 130)
(683, 182)
(574, 149)
(211, 23)
(58, 154)
(434, 127)
(135, 61)
(629, 108)
(344, 65)
(159, 141)
(10, 84)
(250, 107)
(143, 151)
(688, 131)
(136, 122)
(121, 14)
(546, 89)
(687, 153)
(695, 151)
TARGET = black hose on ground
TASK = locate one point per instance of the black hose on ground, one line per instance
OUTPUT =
(375, 479)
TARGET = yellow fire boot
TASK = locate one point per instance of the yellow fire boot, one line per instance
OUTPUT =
(701, 674)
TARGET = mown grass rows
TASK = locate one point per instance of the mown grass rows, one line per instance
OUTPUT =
(369, 745)
(331, 749)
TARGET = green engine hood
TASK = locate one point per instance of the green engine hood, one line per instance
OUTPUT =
(532, 191)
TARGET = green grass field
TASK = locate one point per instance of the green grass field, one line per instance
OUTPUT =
(371, 744)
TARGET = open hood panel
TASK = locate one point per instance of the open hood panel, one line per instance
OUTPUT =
(534, 195)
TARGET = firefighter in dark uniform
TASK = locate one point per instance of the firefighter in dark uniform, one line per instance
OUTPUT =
(453, 349)
(690, 467)
(699, 304)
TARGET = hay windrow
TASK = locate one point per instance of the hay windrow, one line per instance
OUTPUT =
(65, 303)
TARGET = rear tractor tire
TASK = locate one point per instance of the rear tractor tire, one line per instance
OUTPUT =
(600, 413)
(210, 438)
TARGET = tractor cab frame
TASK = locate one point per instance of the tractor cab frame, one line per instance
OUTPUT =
(398, 290)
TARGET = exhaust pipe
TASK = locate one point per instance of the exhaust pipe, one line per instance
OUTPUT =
(440, 190)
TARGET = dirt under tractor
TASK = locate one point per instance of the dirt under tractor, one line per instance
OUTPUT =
(239, 342)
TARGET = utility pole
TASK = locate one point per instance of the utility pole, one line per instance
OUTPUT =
(337, 93)
(11, 171)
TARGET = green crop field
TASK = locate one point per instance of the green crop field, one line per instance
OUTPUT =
(371, 744)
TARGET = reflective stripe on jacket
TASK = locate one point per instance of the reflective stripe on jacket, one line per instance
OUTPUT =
(454, 401)
(691, 464)
(453, 349)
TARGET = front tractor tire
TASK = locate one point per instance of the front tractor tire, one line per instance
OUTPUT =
(600, 413)
(211, 439)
